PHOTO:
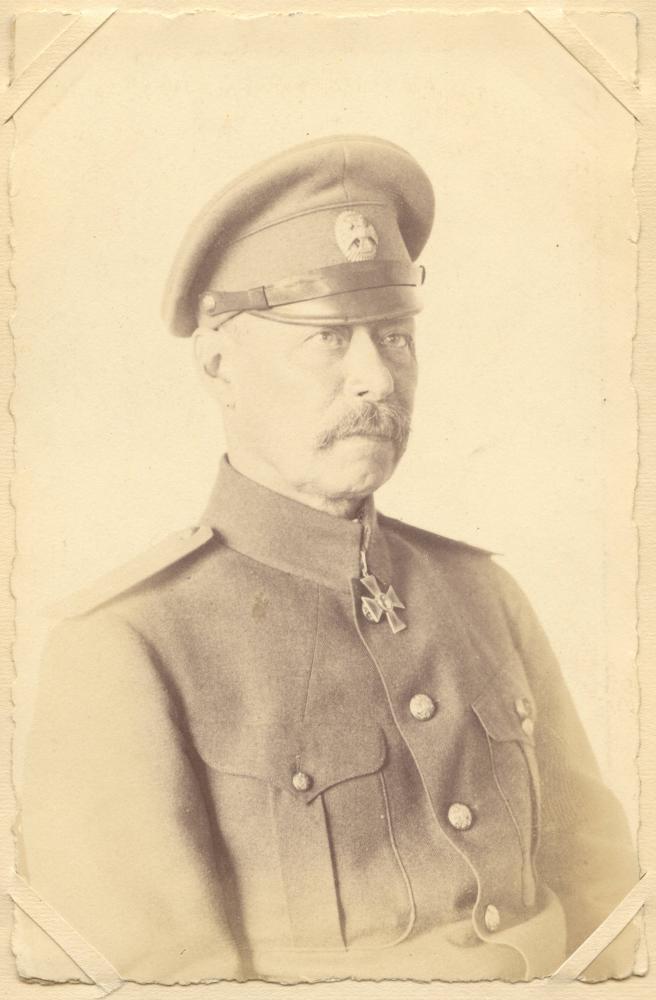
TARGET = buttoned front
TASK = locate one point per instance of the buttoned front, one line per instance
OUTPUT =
(492, 918)
(289, 785)
(422, 707)
(460, 816)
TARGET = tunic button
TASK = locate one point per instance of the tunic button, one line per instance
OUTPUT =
(301, 781)
(528, 726)
(492, 918)
(523, 708)
(459, 816)
(422, 707)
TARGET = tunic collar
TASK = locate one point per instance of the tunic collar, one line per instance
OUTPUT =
(290, 536)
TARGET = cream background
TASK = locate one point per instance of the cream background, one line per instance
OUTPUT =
(528, 308)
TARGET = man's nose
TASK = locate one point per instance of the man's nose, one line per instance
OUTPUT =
(367, 375)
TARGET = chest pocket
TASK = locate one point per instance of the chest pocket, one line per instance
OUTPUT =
(299, 761)
(319, 816)
(507, 715)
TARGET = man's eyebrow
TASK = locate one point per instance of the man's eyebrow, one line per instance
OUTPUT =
(333, 327)
(407, 325)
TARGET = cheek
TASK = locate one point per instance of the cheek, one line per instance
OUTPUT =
(283, 405)
(405, 380)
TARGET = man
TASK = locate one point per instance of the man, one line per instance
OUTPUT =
(308, 741)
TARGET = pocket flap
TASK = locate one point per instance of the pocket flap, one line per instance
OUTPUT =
(325, 754)
(507, 713)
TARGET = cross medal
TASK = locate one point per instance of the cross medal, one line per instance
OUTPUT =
(381, 603)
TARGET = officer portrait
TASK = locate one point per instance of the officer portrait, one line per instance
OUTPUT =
(302, 739)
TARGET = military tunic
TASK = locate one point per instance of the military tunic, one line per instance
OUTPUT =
(234, 773)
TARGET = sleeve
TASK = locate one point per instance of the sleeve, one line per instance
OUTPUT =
(586, 855)
(115, 835)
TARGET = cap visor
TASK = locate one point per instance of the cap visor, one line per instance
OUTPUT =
(364, 306)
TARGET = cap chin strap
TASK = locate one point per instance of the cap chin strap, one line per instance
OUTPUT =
(346, 277)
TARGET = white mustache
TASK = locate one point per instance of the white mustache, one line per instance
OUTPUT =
(385, 420)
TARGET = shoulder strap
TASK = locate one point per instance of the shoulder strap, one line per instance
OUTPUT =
(170, 550)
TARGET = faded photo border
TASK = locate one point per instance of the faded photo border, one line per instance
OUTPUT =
(644, 363)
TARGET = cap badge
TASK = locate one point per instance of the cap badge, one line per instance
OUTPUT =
(356, 236)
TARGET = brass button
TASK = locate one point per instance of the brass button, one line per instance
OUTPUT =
(523, 708)
(422, 707)
(208, 302)
(528, 726)
(492, 918)
(460, 816)
(301, 781)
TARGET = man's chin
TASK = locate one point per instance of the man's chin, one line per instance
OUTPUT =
(359, 465)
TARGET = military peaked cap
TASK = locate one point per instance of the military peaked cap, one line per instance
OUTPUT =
(326, 230)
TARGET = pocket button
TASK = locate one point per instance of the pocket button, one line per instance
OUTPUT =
(523, 708)
(301, 781)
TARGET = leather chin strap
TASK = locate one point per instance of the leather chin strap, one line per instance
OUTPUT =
(346, 277)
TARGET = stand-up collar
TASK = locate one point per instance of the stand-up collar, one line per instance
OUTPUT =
(290, 536)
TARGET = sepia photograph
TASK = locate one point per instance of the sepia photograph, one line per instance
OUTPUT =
(326, 446)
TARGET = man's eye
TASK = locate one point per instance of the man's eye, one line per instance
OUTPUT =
(329, 338)
(395, 340)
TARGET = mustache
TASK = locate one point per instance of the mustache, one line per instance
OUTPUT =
(384, 420)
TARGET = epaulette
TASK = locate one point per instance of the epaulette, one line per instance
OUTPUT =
(167, 552)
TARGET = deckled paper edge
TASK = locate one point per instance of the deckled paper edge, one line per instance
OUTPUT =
(644, 361)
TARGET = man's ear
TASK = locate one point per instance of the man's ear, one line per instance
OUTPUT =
(207, 351)
(212, 352)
